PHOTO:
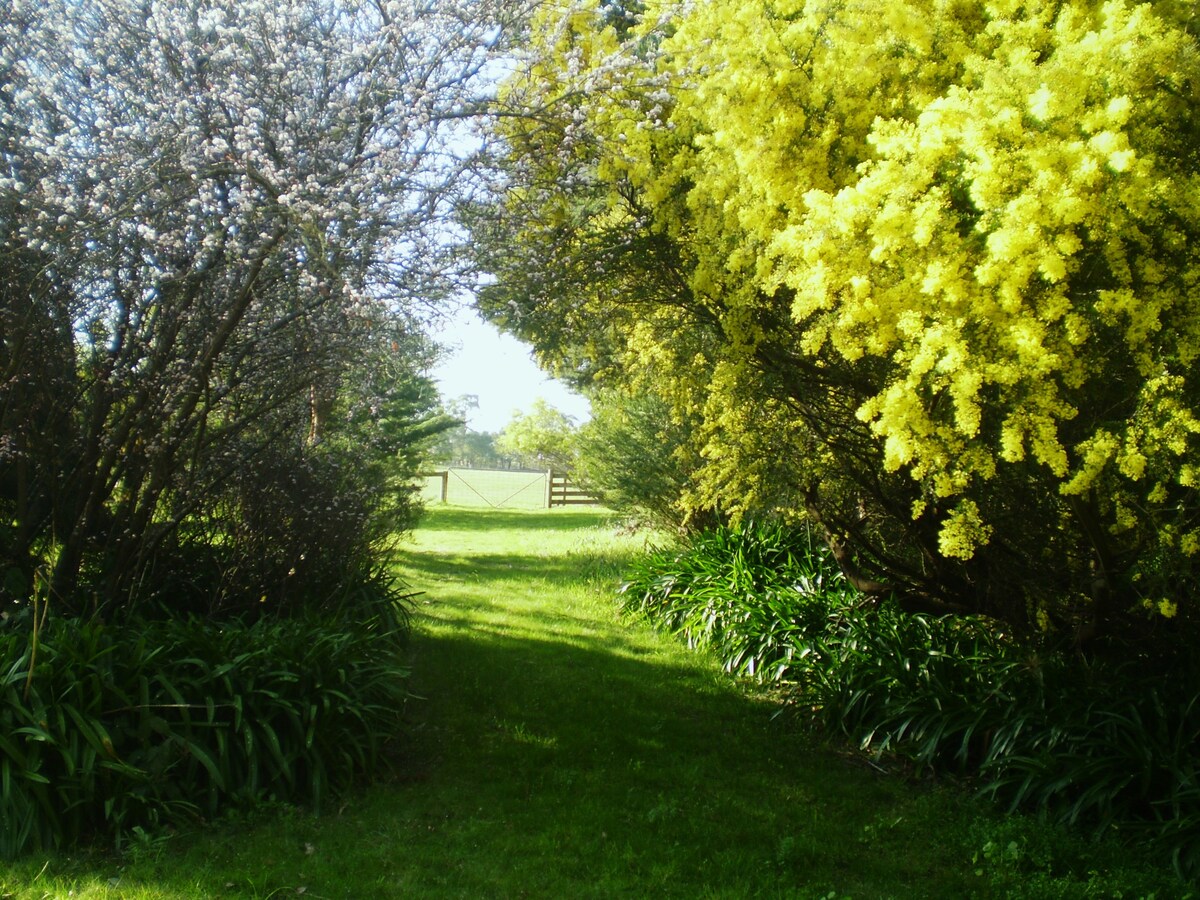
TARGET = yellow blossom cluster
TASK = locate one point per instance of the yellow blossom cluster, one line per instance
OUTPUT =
(994, 199)
(968, 228)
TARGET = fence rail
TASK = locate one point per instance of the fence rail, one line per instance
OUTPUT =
(564, 492)
(503, 488)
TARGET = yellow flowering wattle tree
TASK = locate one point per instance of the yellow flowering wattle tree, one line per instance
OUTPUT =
(927, 270)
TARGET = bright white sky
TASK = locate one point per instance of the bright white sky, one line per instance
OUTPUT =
(500, 371)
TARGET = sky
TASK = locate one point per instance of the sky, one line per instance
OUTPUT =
(500, 371)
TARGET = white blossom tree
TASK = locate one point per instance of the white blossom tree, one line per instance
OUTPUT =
(211, 210)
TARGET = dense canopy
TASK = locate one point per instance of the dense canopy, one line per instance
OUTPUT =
(926, 271)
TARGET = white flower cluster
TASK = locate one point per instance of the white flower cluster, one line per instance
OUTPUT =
(210, 212)
(154, 135)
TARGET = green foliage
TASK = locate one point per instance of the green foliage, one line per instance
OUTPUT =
(635, 455)
(1095, 745)
(542, 438)
(105, 729)
(1023, 856)
(931, 688)
(459, 445)
(1100, 747)
(751, 594)
(1123, 756)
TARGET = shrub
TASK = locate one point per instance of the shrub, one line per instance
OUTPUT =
(753, 594)
(634, 453)
(1093, 744)
(1122, 755)
(106, 728)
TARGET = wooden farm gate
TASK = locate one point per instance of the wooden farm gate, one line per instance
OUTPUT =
(564, 492)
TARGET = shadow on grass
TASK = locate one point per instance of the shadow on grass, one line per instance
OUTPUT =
(557, 753)
(509, 567)
(595, 765)
(475, 519)
(566, 755)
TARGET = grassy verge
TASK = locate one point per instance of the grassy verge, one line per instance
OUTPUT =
(559, 753)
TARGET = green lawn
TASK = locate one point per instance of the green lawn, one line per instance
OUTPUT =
(557, 752)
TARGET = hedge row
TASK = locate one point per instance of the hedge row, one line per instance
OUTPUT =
(1106, 744)
(104, 728)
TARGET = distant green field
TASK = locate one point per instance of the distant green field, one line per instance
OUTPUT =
(489, 488)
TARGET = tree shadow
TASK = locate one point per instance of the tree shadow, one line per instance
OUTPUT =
(476, 519)
(571, 747)
(554, 751)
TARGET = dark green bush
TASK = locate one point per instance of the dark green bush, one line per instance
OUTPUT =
(1122, 753)
(634, 453)
(753, 594)
(1092, 743)
(1027, 857)
(935, 689)
(104, 728)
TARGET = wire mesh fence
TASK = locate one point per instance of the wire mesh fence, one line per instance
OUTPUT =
(500, 489)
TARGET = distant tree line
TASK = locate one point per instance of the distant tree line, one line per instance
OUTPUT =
(539, 438)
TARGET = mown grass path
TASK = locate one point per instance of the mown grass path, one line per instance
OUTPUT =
(557, 752)
(565, 754)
